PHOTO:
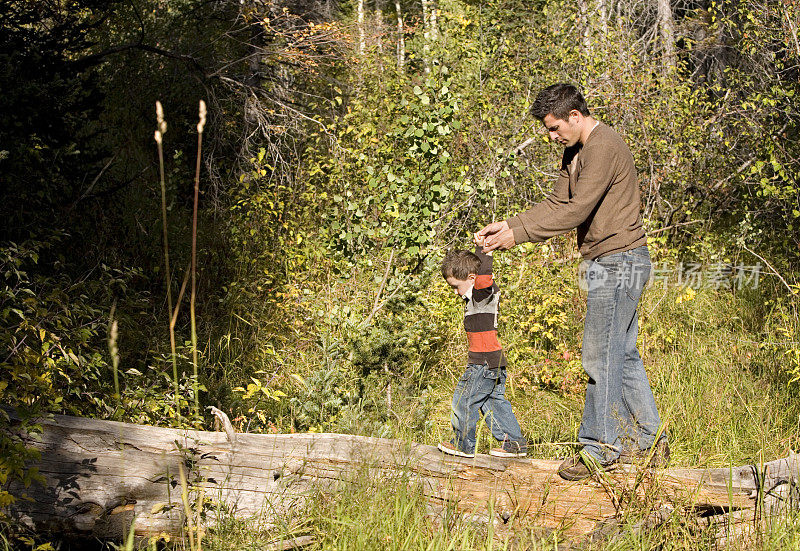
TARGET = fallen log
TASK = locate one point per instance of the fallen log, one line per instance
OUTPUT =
(103, 476)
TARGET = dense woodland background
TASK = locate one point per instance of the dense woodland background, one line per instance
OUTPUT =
(348, 145)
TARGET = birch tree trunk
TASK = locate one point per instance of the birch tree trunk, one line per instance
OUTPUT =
(401, 42)
(434, 24)
(361, 31)
(426, 34)
(379, 24)
(584, 27)
(603, 9)
(430, 30)
(666, 29)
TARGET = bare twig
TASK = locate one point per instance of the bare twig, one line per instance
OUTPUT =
(174, 317)
(521, 147)
(774, 271)
(94, 181)
(659, 230)
(375, 305)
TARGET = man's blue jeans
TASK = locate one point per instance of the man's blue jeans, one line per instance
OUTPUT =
(619, 403)
(482, 390)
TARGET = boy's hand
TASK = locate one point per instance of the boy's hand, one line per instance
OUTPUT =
(480, 241)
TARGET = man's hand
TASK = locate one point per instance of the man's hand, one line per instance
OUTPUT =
(492, 228)
(497, 235)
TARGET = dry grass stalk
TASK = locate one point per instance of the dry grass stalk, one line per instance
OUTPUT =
(200, 126)
(159, 137)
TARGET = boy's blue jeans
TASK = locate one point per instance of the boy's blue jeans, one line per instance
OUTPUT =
(482, 390)
(619, 402)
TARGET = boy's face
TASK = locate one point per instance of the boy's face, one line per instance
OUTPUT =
(461, 286)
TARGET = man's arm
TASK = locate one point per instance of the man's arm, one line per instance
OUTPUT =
(502, 233)
(558, 213)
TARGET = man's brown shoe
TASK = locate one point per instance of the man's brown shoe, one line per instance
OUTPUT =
(576, 467)
(658, 455)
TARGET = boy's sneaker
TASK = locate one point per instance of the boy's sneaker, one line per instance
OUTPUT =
(451, 449)
(658, 455)
(509, 448)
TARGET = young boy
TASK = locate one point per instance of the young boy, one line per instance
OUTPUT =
(482, 387)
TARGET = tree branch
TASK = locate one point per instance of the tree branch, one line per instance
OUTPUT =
(97, 58)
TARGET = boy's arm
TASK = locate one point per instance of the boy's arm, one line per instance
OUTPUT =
(484, 282)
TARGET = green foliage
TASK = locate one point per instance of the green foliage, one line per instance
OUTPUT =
(541, 318)
(412, 192)
(14, 457)
(149, 397)
(323, 397)
(390, 515)
(47, 144)
(403, 340)
(327, 165)
(52, 331)
(50, 335)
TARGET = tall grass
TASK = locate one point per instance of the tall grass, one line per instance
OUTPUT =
(161, 129)
(193, 296)
(361, 513)
(723, 394)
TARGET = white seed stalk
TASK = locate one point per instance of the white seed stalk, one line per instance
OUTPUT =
(202, 123)
(162, 124)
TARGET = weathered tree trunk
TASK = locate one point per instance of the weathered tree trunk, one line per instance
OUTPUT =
(101, 476)
(602, 7)
(666, 29)
(379, 24)
(585, 27)
(361, 30)
(401, 41)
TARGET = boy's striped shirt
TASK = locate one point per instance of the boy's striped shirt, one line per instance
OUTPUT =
(480, 317)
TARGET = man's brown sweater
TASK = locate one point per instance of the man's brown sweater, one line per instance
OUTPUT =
(597, 192)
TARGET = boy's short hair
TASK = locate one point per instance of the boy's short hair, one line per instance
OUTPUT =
(460, 264)
(558, 100)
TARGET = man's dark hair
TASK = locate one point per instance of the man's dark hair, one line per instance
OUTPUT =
(559, 100)
(460, 264)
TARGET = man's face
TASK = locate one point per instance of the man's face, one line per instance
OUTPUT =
(566, 132)
(461, 286)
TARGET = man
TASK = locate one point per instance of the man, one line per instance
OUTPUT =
(597, 192)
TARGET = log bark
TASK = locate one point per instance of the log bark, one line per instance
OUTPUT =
(101, 476)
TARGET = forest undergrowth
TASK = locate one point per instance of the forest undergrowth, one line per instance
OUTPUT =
(714, 357)
(348, 146)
